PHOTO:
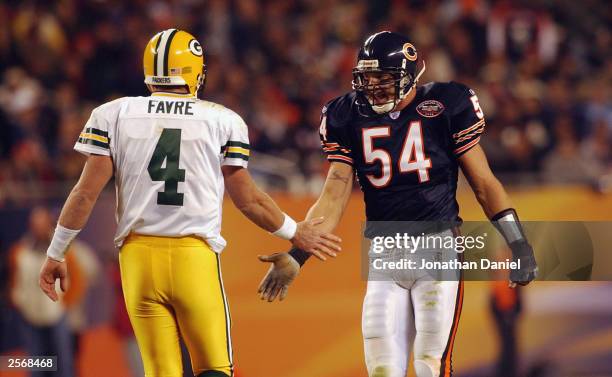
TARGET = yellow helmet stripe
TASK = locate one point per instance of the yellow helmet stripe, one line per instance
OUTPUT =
(161, 52)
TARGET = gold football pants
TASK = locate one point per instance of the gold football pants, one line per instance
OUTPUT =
(172, 288)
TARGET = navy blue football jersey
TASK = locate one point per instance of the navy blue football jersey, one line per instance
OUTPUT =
(406, 162)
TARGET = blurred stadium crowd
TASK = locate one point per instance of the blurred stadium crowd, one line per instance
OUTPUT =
(542, 73)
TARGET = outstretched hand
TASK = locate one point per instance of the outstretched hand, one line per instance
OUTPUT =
(281, 274)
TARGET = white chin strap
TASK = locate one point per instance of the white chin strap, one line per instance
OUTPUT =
(389, 106)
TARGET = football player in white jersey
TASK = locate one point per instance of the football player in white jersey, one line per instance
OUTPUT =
(172, 156)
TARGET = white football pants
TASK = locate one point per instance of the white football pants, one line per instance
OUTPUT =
(410, 313)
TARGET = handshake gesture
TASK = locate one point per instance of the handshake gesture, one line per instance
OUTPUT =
(315, 241)
(285, 268)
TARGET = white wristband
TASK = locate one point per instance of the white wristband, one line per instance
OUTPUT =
(60, 242)
(288, 229)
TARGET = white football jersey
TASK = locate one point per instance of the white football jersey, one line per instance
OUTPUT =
(167, 150)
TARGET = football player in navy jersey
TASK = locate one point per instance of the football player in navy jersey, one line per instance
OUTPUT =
(405, 143)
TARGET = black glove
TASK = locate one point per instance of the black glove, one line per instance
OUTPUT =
(522, 253)
(508, 224)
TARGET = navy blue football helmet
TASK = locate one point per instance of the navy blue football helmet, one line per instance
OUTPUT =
(393, 60)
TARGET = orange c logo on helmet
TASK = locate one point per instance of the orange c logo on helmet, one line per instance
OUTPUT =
(409, 52)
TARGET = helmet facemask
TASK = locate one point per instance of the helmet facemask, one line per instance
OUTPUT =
(382, 89)
(201, 83)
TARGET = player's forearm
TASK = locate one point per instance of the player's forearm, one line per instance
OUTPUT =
(334, 197)
(255, 204)
(488, 190)
(97, 172)
(77, 208)
(492, 197)
(262, 211)
(74, 215)
(330, 209)
(331, 203)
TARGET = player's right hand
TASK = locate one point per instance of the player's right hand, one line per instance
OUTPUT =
(312, 240)
(51, 271)
(523, 254)
(282, 272)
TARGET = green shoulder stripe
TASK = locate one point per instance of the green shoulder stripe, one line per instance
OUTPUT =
(237, 155)
(95, 131)
(237, 144)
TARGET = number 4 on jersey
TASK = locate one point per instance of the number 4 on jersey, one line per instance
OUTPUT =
(413, 153)
(168, 148)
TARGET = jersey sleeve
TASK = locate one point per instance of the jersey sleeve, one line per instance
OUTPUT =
(334, 138)
(236, 150)
(467, 121)
(94, 139)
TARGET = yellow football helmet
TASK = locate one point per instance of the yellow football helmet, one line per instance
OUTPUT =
(174, 57)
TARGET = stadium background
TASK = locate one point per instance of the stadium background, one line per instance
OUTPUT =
(542, 70)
